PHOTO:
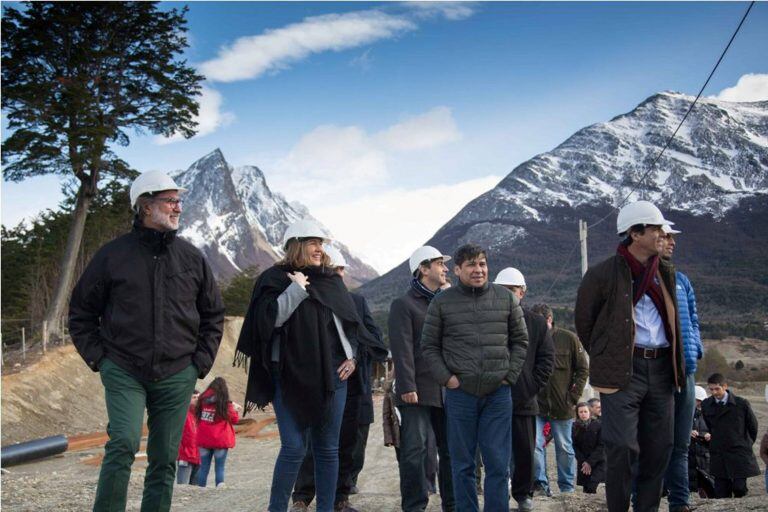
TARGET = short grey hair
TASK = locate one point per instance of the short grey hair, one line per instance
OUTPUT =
(141, 202)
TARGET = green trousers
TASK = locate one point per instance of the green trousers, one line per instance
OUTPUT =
(166, 402)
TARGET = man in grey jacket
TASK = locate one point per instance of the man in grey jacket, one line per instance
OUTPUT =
(417, 396)
(475, 341)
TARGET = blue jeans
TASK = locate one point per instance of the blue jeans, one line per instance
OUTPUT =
(293, 447)
(676, 478)
(566, 457)
(486, 421)
(206, 457)
(184, 471)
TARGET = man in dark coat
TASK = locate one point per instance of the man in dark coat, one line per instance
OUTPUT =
(147, 315)
(626, 316)
(733, 428)
(537, 368)
(418, 397)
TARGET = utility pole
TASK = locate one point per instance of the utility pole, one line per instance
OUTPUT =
(583, 240)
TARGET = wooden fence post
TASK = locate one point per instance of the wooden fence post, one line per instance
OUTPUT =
(45, 335)
(23, 345)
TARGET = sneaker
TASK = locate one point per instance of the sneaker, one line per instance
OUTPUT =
(354, 490)
(540, 490)
(525, 505)
(299, 506)
(221, 485)
(344, 506)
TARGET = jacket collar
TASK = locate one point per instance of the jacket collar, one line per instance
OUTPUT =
(157, 241)
(472, 291)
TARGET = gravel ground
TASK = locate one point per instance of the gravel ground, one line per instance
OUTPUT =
(65, 484)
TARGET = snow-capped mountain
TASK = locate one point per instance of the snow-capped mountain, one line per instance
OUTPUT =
(713, 180)
(231, 214)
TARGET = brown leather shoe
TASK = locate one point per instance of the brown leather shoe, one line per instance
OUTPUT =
(344, 506)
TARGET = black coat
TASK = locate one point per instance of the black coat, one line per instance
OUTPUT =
(698, 450)
(148, 301)
(365, 357)
(734, 430)
(589, 448)
(406, 319)
(537, 367)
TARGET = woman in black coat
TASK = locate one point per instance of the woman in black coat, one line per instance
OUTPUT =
(590, 454)
(698, 451)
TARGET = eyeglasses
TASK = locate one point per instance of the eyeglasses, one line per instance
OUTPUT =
(170, 201)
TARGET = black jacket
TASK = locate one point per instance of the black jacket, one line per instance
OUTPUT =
(537, 367)
(147, 301)
(365, 359)
(589, 448)
(698, 450)
(733, 427)
(406, 319)
(477, 334)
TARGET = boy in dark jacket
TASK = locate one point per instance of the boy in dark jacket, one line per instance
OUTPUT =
(734, 430)
(590, 454)
(698, 450)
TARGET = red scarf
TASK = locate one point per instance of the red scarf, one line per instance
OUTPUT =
(646, 280)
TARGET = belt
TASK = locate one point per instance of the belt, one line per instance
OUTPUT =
(651, 353)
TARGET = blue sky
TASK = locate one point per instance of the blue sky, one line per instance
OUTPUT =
(387, 118)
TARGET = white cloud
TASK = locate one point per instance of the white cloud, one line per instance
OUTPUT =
(252, 56)
(750, 87)
(334, 162)
(449, 10)
(428, 130)
(385, 228)
(210, 116)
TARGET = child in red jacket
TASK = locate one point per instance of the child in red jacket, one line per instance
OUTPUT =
(216, 415)
(188, 460)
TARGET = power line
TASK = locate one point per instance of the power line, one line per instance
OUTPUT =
(672, 137)
(658, 157)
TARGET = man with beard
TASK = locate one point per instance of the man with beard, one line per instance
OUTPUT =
(418, 397)
(147, 315)
(626, 317)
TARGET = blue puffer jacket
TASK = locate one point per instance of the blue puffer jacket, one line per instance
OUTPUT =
(689, 323)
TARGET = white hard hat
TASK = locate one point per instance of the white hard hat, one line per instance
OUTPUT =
(510, 276)
(304, 228)
(640, 212)
(337, 259)
(669, 230)
(701, 393)
(425, 253)
(150, 182)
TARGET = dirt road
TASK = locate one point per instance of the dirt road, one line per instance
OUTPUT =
(65, 484)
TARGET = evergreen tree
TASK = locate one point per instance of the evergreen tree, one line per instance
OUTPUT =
(237, 293)
(77, 77)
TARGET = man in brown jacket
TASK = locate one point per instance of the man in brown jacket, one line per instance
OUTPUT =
(626, 317)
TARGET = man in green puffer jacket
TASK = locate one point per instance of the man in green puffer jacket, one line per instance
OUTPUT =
(474, 342)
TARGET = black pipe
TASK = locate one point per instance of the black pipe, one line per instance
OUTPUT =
(31, 450)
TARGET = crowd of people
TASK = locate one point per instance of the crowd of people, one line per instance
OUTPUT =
(479, 377)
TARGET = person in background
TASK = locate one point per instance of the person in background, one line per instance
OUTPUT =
(216, 414)
(590, 454)
(556, 403)
(734, 430)
(698, 451)
(676, 477)
(188, 461)
(537, 368)
(594, 407)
